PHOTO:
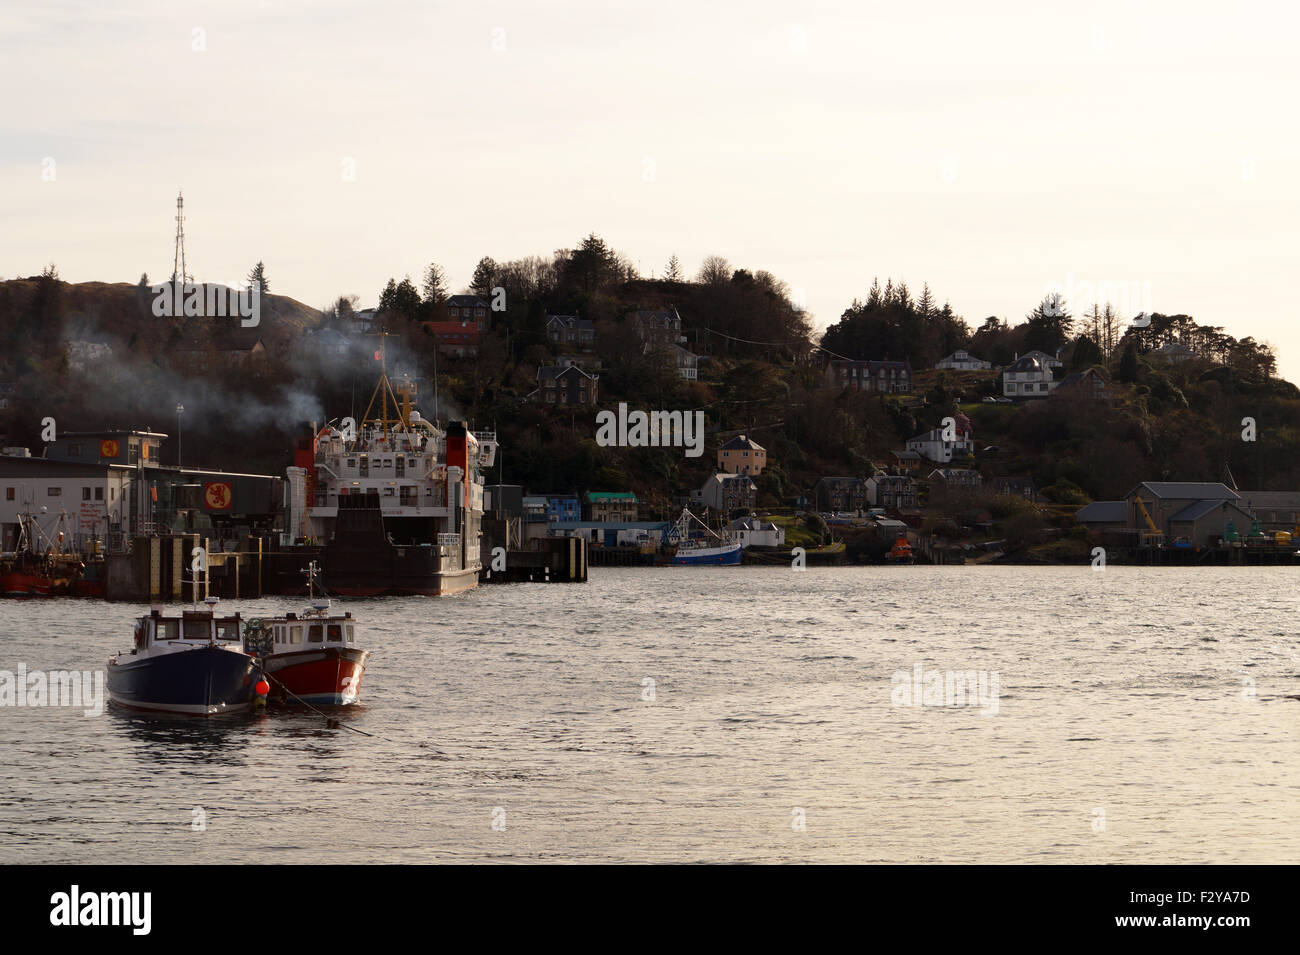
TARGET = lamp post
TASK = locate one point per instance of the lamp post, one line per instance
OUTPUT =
(180, 410)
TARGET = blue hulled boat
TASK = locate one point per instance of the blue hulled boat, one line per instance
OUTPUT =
(191, 664)
(694, 547)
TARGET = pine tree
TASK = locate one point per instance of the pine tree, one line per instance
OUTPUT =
(925, 304)
(484, 279)
(257, 278)
(673, 273)
(435, 284)
(874, 296)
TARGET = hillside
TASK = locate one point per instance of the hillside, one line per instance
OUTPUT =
(760, 374)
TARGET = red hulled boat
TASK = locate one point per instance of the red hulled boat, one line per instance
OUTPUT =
(39, 571)
(310, 657)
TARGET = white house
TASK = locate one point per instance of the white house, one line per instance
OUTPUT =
(962, 360)
(754, 532)
(726, 492)
(935, 447)
(688, 363)
(1028, 377)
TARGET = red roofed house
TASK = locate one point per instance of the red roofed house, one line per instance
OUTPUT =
(457, 339)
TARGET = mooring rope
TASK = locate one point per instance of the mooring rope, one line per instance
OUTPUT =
(330, 721)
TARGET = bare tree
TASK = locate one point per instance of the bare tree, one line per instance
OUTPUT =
(714, 270)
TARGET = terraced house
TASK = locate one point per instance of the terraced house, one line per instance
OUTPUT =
(878, 377)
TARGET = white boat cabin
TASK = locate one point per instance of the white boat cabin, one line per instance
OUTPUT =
(291, 632)
(192, 628)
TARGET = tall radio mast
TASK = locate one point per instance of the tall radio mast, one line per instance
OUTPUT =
(178, 265)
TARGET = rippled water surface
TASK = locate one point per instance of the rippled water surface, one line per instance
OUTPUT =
(1125, 730)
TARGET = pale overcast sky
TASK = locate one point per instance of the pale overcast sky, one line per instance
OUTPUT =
(994, 150)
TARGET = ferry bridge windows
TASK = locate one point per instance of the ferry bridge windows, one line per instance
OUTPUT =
(228, 629)
(401, 467)
(55, 492)
(168, 630)
(196, 629)
(85, 494)
(315, 634)
(350, 634)
(99, 493)
(295, 635)
(336, 633)
(365, 466)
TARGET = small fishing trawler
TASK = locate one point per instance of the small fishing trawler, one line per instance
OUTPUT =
(310, 657)
(714, 549)
(39, 567)
(190, 664)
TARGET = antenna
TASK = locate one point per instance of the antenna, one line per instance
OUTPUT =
(178, 264)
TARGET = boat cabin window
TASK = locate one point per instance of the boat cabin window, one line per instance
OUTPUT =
(228, 629)
(295, 634)
(349, 633)
(314, 634)
(197, 629)
(336, 632)
(167, 630)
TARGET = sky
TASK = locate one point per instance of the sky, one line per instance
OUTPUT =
(997, 151)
